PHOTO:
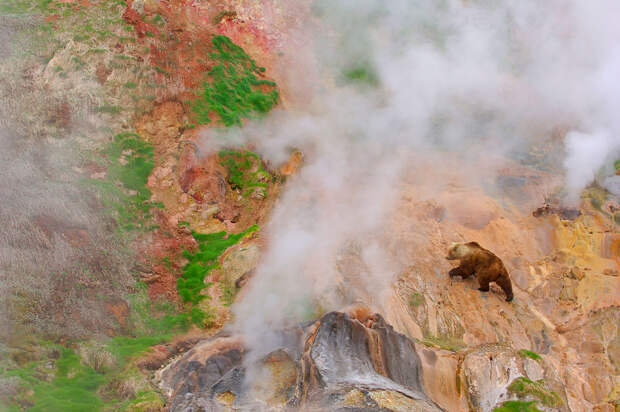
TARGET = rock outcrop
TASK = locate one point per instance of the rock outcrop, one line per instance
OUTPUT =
(337, 362)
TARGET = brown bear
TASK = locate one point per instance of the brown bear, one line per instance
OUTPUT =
(484, 264)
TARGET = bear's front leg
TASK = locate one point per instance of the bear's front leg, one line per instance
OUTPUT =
(484, 285)
(463, 271)
(456, 272)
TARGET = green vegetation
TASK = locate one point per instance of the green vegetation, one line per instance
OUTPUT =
(450, 343)
(617, 164)
(245, 170)
(157, 19)
(364, 74)
(517, 406)
(416, 299)
(81, 37)
(109, 109)
(529, 354)
(191, 283)
(87, 25)
(151, 324)
(523, 386)
(23, 6)
(124, 191)
(92, 375)
(144, 401)
(88, 375)
(60, 380)
(71, 388)
(159, 69)
(234, 91)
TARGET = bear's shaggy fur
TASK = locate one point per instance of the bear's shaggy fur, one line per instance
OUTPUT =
(484, 264)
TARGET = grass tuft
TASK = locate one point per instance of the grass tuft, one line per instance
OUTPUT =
(245, 170)
(444, 342)
(416, 299)
(363, 74)
(529, 354)
(109, 109)
(518, 406)
(523, 386)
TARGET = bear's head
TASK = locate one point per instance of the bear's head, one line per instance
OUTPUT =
(458, 251)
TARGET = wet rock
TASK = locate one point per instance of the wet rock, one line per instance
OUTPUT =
(341, 352)
(191, 378)
(440, 370)
(346, 364)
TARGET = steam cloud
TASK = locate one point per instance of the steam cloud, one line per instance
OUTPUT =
(474, 77)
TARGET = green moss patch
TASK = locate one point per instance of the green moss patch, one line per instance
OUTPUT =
(70, 387)
(523, 386)
(124, 191)
(416, 299)
(109, 109)
(57, 379)
(450, 343)
(144, 401)
(518, 406)
(232, 89)
(201, 262)
(245, 171)
(362, 74)
(524, 353)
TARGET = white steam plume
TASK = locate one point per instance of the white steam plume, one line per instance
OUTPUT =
(474, 77)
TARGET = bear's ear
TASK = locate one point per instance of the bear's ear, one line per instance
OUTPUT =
(474, 244)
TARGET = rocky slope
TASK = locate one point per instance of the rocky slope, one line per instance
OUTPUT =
(560, 333)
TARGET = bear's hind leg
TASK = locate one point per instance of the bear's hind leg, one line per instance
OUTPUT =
(504, 282)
